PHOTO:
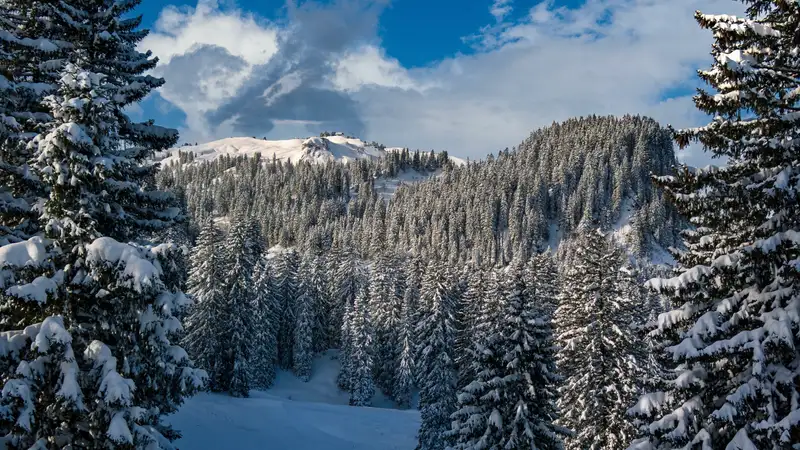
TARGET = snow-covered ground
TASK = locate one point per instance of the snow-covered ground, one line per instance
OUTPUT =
(295, 415)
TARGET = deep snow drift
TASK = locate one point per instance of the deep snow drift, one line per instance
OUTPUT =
(295, 415)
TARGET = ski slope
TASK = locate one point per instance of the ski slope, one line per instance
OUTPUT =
(295, 415)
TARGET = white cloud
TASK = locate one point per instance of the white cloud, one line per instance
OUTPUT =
(500, 9)
(604, 57)
(368, 66)
(207, 54)
(179, 30)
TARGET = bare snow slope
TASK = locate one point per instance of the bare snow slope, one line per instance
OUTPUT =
(295, 415)
(213, 421)
(313, 149)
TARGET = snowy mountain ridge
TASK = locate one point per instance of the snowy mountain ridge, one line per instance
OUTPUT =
(313, 149)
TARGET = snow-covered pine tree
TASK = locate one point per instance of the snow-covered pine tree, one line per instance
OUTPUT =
(733, 332)
(348, 281)
(362, 388)
(206, 287)
(31, 51)
(478, 419)
(529, 378)
(242, 251)
(345, 376)
(266, 317)
(386, 312)
(303, 352)
(436, 368)
(315, 283)
(404, 377)
(331, 262)
(473, 302)
(542, 272)
(596, 340)
(285, 273)
(103, 372)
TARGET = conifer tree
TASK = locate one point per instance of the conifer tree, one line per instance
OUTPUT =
(31, 51)
(386, 311)
(286, 291)
(303, 352)
(437, 377)
(206, 287)
(733, 330)
(100, 370)
(478, 419)
(405, 373)
(242, 251)
(348, 281)
(541, 271)
(362, 388)
(473, 301)
(266, 317)
(529, 376)
(347, 367)
(404, 377)
(597, 348)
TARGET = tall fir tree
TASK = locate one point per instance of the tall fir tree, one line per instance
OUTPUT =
(478, 419)
(362, 387)
(32, 53)
(435, 336)
(303, 352)
(206, 287)
(469, 324)
(287, 289)
(242, 251)
(348, 281)
(386, 312)
(267, 319)
(597, 343)
(510, 401)
(345, 376)
(529, 377)
(404, 376)
(100, 370)
(733, 330)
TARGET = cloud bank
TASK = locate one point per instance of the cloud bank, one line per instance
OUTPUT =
(323, 68)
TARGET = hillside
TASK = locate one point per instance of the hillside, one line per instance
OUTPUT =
(588, 170)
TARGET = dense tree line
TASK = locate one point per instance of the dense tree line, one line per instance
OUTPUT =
(594, 168)
(478, 344)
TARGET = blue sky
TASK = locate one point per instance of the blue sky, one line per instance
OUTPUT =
(467, 76)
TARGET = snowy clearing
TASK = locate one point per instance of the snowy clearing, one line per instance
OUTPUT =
(295, 415)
